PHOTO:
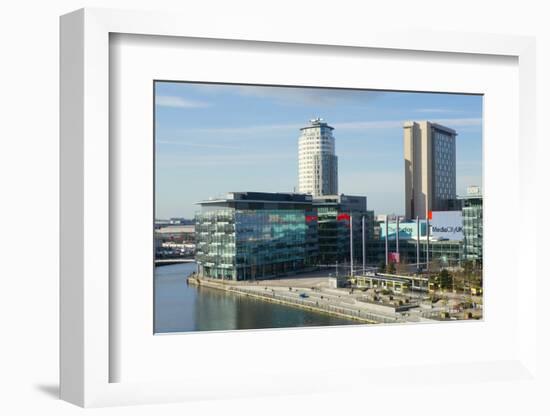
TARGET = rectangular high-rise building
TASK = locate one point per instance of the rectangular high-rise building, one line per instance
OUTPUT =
(317, 161)
(430, 168)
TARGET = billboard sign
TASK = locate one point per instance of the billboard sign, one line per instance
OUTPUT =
(446, 225)
(407, 230)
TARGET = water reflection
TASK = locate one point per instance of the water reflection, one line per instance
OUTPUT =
(181, 308)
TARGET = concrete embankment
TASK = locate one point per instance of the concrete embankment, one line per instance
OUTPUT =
(170, 262)
(337, 310)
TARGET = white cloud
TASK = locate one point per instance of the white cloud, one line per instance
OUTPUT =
(178, 102)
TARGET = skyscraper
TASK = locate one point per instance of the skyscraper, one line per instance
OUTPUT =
(317, 162)
(430, 168)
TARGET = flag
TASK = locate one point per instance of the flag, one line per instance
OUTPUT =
(393, 257)
(343, 217)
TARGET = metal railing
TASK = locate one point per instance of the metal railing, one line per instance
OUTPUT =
(324, 306)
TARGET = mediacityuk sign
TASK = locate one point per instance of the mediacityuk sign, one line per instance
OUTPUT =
(447, 225)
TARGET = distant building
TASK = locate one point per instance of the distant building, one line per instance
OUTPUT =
(446, 252)
(317, 160)
(181, 221)
(473, 190)
(391, 217)
(253, 235)
(175, 232)
(455, 236)
(430, 168)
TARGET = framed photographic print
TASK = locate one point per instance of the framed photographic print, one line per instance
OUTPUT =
(285, 213)
(263, 222)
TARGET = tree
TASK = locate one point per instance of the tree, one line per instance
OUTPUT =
(382, 267)
(445, 279)
(468, 267)
(390, 268)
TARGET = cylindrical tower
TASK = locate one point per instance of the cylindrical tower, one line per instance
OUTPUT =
(317, 161)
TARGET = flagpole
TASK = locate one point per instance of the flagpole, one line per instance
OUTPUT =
(386, 240)
(428, 243)
(397, 239)
(417, 243)
(351, 244)
(364, 245)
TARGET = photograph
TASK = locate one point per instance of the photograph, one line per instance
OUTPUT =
(298, 206)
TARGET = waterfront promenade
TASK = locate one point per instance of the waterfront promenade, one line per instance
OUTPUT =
(167, 262)
(313, 294)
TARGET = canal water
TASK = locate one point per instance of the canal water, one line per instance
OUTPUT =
(180, 307)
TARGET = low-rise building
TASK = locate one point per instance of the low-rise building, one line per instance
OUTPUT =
(253, 235)
(445, 252)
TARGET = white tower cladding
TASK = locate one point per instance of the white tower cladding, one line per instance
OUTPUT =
(317, 161)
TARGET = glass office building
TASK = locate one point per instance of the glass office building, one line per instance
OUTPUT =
(333, 233)
(445, 252)
(472, 215)
(253, 235)
(335, 215)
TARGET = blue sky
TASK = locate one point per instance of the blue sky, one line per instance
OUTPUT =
(212, 139)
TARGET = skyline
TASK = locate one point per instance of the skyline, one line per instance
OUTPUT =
(246, 139)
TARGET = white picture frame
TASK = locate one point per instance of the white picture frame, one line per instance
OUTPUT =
(87, 302)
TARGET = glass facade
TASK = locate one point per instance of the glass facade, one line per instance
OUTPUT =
(447, 253)
(443, 169)
(252, 236)
(247, 244)
(333, 235)
(216, 243)
(472, 214)
(334, 229)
